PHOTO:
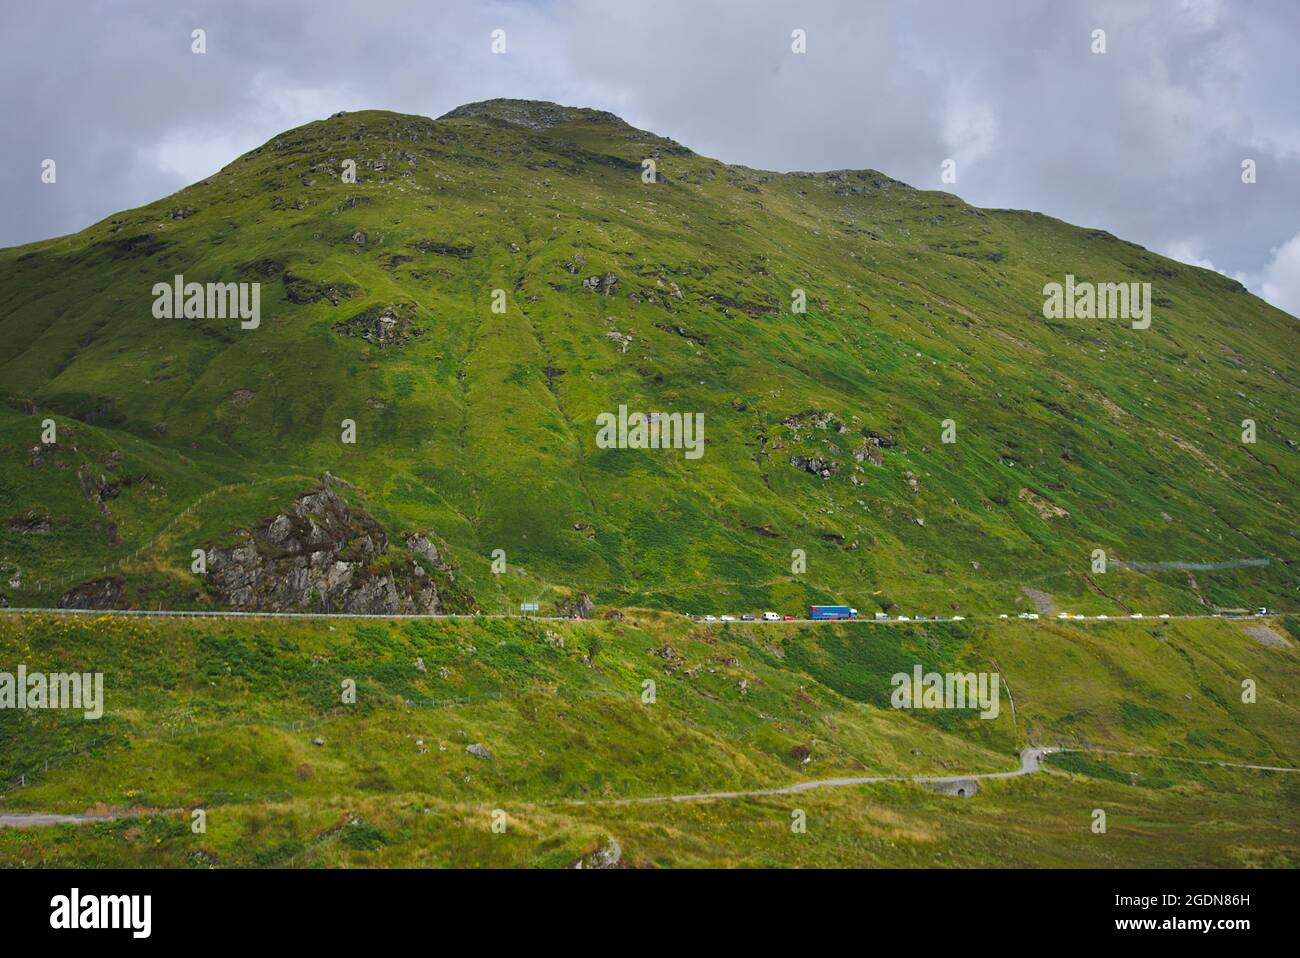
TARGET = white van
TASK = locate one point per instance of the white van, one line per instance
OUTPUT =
(771, 617)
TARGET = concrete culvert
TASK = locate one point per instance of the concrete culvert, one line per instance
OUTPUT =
(961, 788)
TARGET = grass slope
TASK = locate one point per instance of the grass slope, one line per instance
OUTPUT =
(1071, 435)
(223, 714)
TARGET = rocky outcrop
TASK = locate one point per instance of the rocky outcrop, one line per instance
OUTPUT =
(382, 326)
(601, 284)
(533, 114)
(302, 292)
(96, 487)
(102, 593)
(816, 465)
(811, 417)
(608, 855)
(870, 450)
(440, 248)
(323, 555)
(578, 608)
(33, 522)
(421, 546)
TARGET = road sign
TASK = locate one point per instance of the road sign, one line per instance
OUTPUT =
(528, 607)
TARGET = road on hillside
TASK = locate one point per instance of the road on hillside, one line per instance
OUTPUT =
(221, 614)
(1030, 762)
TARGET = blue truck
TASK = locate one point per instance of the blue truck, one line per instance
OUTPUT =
(832, 612)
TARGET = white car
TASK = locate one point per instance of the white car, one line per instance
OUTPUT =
(902, 618)
(1028, 615)
(1003, 616)
(771, 617)
(728, 618)
(1164, 615)
(959, 618)
(1136, 615)
(1062, 615)
(1103, 617)
(710, 618)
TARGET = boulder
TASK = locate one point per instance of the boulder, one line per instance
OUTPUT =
(608, 855)
(322, 554)
(105, 592)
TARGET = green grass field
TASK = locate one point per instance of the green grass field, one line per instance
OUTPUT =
(222, 714)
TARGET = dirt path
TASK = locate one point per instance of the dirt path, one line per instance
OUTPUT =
(40, 820)
(1030, 762)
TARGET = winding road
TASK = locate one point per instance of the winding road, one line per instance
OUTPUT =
(1030, 762)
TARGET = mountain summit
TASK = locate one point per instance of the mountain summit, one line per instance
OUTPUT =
(546, 357)
(533, 114)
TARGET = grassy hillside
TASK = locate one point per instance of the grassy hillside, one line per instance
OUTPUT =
(223, 715)
(478, 428)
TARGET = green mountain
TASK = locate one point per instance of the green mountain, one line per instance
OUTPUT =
(496, 283)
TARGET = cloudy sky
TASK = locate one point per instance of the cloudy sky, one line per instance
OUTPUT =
(1146, 140)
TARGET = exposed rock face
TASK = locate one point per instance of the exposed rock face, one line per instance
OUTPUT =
(810, 417)
(322, 555)
(464, 251)
(870, 449)
(382, 326)
(302, 291)
(815, 465)
(97, 488)
(421, 546)
(102, 593)
(601, 284)
(29, 523)
(609, 855)
(580, 607)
